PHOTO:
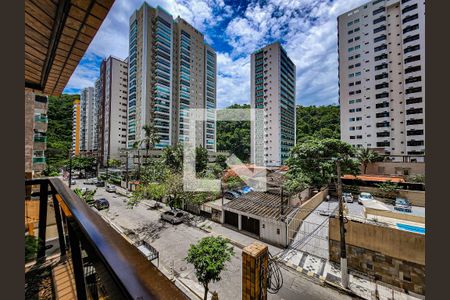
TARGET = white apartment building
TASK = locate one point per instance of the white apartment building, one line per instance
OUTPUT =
(86, 119)
(171, 70)
(113, 92)
(273, 88)
(97, 111)
(382, 76)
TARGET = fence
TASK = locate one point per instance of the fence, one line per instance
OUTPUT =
(303, 212)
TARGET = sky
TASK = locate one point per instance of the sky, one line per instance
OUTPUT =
(307, 29)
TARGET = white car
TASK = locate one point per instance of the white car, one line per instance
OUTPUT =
(364, 197)
(110, 188)
(347, 197)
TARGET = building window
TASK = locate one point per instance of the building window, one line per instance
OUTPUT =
(278, 230)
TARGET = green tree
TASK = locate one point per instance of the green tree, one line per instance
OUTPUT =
(209, 257)
(59, 131)
(114, 163)
(318, 122)
(234, 136)
(388, 189)
(153, 191)
(173, 157)
(367, 156)
(313, 162)
(86, 195)
(201, 159)
(233, 182)
(175, 192)
(150, 139)
(221, 160)
(154, 171)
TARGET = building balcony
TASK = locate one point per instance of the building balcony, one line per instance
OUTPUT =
(38, 160)
(40, 139)
(86, 259)
(40, 119)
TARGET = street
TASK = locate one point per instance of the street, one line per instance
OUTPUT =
(173, 241)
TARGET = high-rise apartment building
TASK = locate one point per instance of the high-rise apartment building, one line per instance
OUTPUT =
(76, 126)
(86, 119)
(97, 112)
(112, 90)
(273, 88)
(35, 132)
(382, 76)
(171, 70)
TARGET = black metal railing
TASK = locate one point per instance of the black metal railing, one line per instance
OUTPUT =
(95, 248)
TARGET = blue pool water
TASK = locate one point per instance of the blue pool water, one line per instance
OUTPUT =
(411, 228)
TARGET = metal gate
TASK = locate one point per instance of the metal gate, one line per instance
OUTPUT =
(231, 218)
(250, 225)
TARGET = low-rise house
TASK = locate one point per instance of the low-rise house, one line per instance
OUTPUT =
(260, 214)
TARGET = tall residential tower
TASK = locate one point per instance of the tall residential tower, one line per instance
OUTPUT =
(112, 90)
(382, 76)
(171, 70)
(273, 89)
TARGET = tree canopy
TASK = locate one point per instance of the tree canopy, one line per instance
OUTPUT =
(209, 256)
(313, 162)
(59, 130)
(234, 136)
(318, 122)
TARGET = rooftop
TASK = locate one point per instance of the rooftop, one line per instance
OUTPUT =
(379, 178)
(259, 204)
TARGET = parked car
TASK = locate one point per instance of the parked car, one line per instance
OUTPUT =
(239, 192)
(364, 197)
(100, 183)
(91, 181)
(347, 197)
(173, 216)
(101, 203)
(246, 189)
(401, 204)
(110, 188)
(230, 195)
(73, 182)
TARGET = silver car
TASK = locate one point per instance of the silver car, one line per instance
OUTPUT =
(110, 188)
(173, 216)
(364, 197)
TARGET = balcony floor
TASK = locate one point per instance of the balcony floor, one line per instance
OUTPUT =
(51, 280)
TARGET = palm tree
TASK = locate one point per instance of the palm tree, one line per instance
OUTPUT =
(366, 156)
(150, 139)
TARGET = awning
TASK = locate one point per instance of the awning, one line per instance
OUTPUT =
(57, 34)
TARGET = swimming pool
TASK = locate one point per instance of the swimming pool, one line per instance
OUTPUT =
(411, 228)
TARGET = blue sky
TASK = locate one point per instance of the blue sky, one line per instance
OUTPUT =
(305, 28)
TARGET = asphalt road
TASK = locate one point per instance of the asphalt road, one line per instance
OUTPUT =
(173, 241)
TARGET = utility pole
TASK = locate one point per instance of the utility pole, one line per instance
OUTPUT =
(344, 271)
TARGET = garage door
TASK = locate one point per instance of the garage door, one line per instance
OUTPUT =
(231, 218)
(250, 225)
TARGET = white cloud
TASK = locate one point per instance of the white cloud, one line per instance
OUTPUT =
(233, 82)
(307, 29)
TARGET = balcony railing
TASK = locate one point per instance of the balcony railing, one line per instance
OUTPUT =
(38, 160)
(121, 269)
(41, 119)
(40, 139)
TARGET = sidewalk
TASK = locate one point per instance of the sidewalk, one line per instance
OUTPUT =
(330, 273)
